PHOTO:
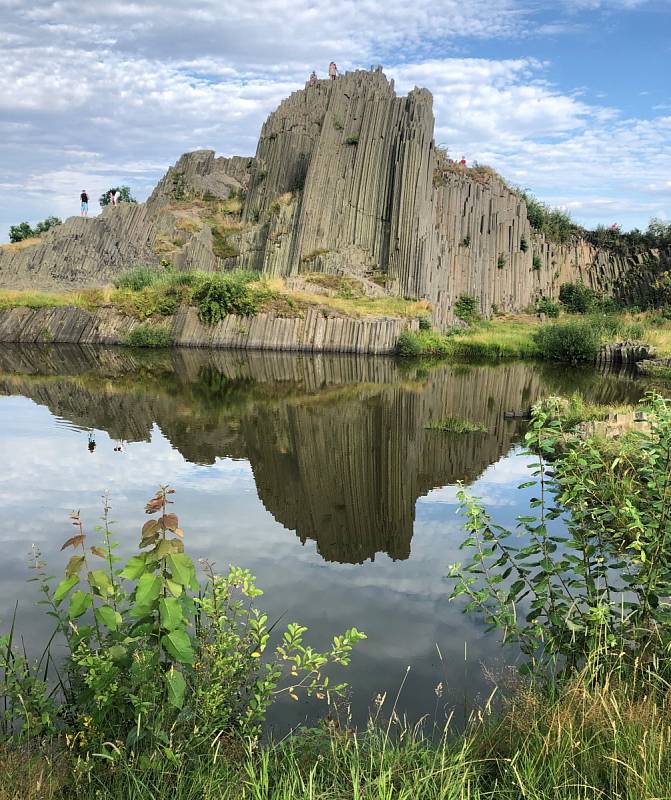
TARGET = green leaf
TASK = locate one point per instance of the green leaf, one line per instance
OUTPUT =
(171, 613)
(118, 652)
(99, 579)
(175, 589)
(182, 570)
(134, 568)
(63, 588)
(74, 565)
(79, 602)
(178, 645)
(148, 589)
(176, 687)
(110, 618)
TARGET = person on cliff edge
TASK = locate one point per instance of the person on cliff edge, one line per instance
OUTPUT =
(84, 209)
(333, 70)
(313, 78)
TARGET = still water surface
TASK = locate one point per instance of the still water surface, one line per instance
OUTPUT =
(318, 473)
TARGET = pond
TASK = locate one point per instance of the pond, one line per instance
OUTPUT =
(318, 473)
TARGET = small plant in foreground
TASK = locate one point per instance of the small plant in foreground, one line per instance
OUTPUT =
(157, 662)
(224, 294)
(593, 568)
(425, 323)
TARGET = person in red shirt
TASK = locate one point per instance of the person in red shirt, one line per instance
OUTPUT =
(462, 163)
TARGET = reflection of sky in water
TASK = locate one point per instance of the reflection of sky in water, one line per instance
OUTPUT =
(402, 605)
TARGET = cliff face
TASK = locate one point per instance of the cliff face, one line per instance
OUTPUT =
(346, 179)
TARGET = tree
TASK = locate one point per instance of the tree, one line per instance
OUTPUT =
(17, 233)
(126, 196)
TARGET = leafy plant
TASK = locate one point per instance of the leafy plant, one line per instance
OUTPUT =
(577, 298)
(546, 306)
(524, 244)
(352, 141)
(501, 261)
(536, 262)
(157, 661)
(594, 566)
(466, 307)
(466, 242)
(224, 294)
(425, 323)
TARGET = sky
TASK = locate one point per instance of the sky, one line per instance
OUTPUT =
(568, 99)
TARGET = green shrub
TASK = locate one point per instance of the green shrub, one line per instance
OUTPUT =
(158, 665)
(577, 298)
(466, 307)
(548, 307)
(524, 245)
(575, 340)
(501, 261)
(17, 233)
(412, 344)
(595, 591)
(556, 225)
(352, 141)
(425, 323)
(536, 262)
(148, 336)
(466, 241)
(224, 294)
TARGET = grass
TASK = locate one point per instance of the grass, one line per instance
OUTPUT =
(22, 244)
(492, 340)
(455, 425)
(574, 743)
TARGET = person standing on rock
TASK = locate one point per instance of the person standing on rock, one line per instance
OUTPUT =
(313, 78)
(84, 209)
(117, 197)
(333, 70)
(462, 163)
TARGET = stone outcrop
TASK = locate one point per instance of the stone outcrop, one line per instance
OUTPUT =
(311, 332)
(623, 353)
(346, 179)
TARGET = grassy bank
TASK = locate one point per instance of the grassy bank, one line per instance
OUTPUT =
(572, 337)
(580, 744)
(149, 292)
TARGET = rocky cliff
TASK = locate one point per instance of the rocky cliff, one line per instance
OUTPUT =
(346, 179)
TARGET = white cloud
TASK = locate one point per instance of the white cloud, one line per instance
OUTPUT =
(95, 94)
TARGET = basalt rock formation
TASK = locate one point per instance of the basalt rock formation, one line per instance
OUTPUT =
(346, 179)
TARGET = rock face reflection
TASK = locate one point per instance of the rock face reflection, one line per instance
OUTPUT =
(339, 446)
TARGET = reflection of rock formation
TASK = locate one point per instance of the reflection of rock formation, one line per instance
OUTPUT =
(339, 446)
(348, 474)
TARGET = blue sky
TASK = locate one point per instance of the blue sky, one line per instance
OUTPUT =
(569, 99)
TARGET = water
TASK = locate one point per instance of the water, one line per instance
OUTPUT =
(316, 472)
